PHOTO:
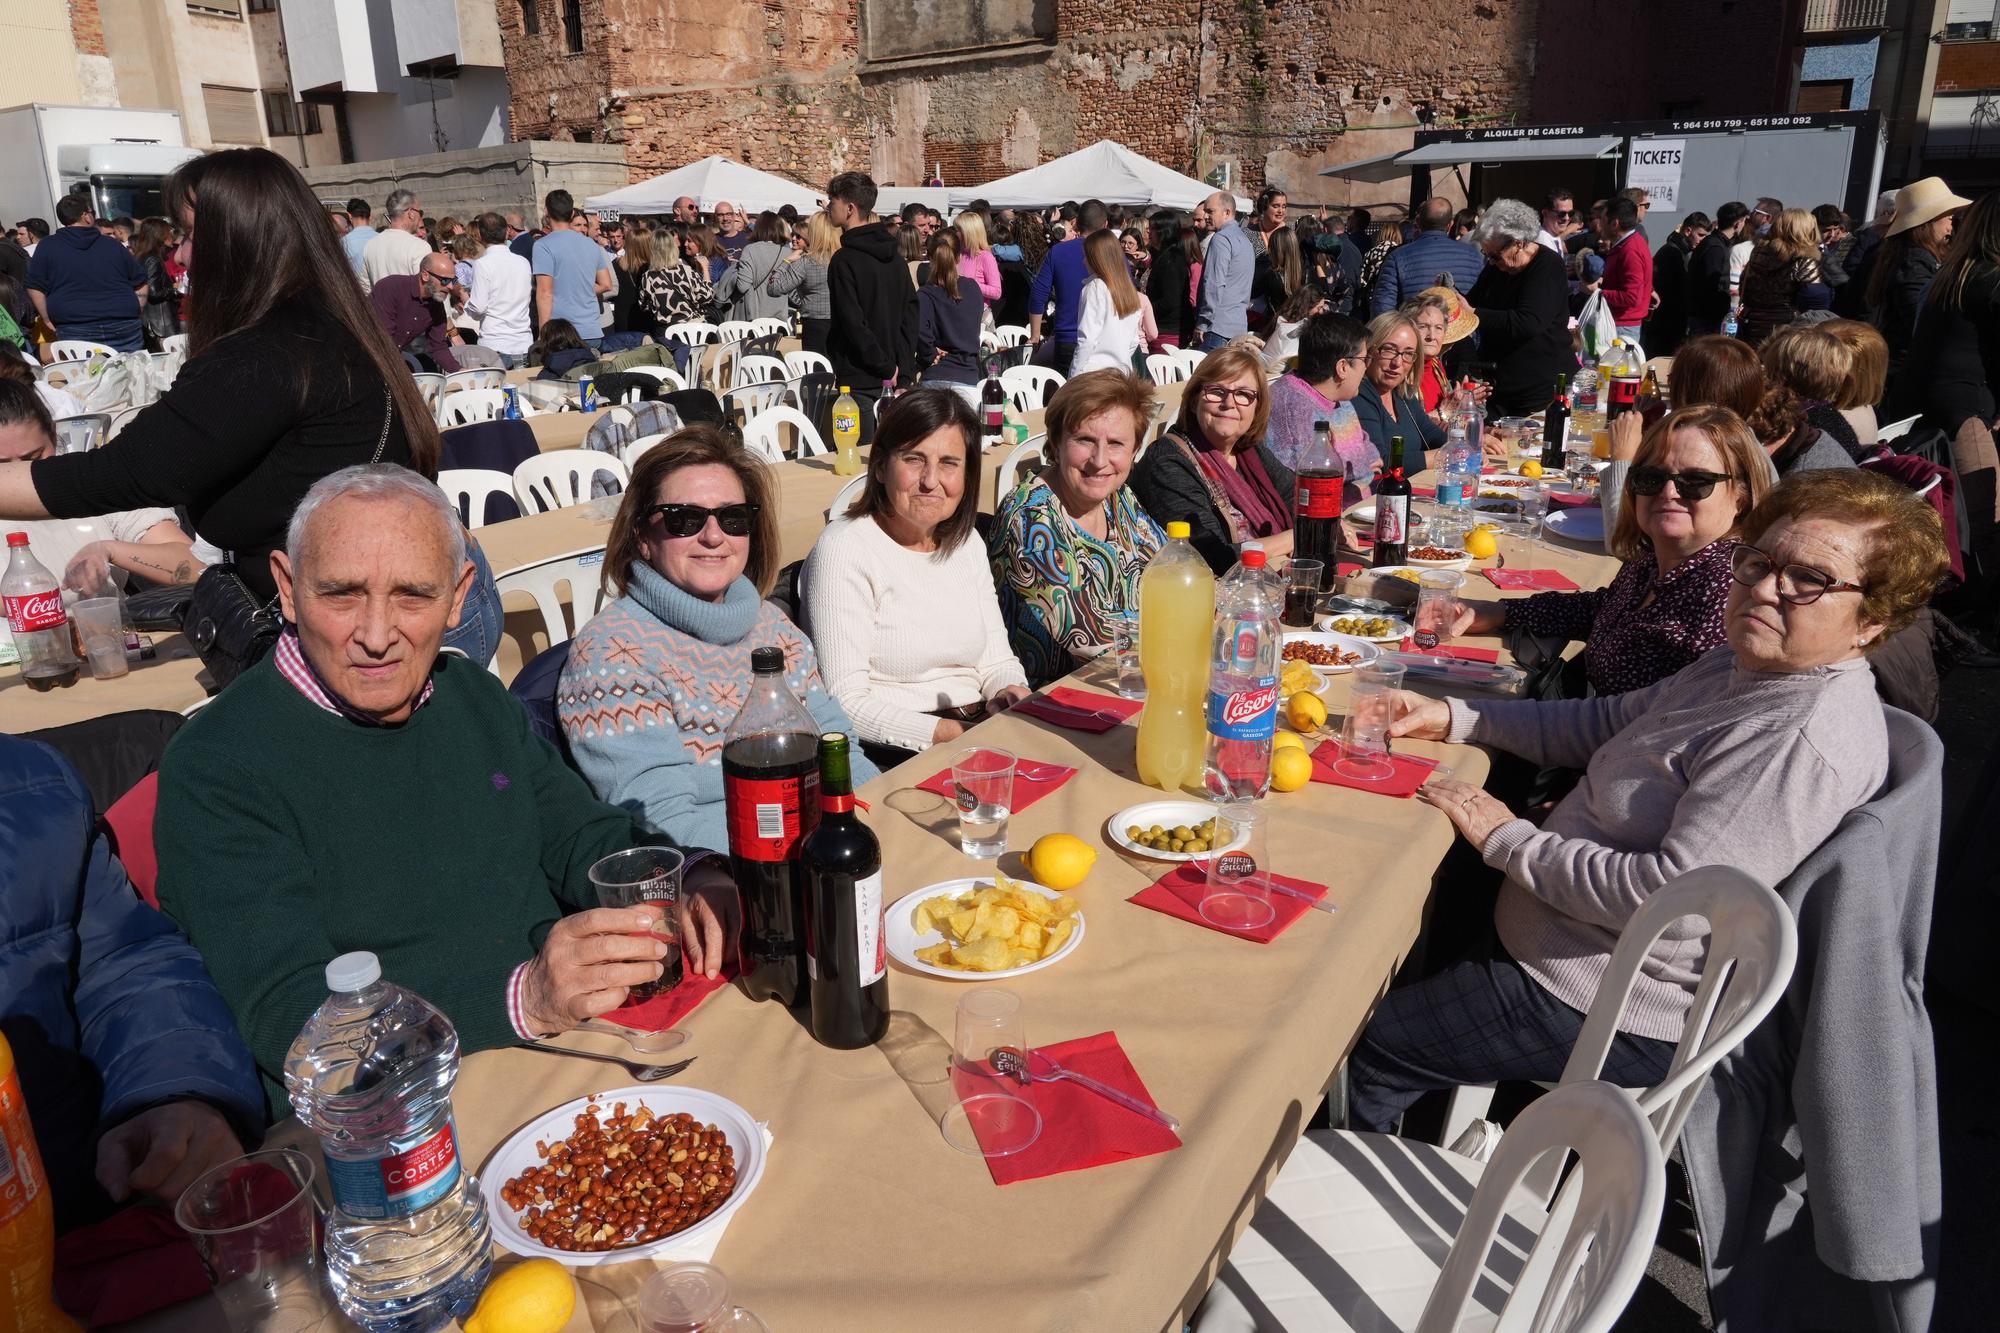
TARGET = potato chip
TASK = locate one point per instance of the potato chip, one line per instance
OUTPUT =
(1058, 936)
(937, 955)
(984, 956)
(994, 927)
(1030, 936)
(921, 918)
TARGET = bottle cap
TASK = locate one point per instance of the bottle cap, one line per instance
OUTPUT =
(1179, 531)
(21, 538)
(767, 661)
(353, 971)
(1253, 557)
(845, 389)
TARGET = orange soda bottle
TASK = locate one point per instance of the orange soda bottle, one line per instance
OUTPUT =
(27, 1218)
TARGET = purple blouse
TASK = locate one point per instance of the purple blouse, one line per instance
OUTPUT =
(1630, 642)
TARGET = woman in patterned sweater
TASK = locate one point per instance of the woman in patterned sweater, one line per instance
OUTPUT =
(655, 679)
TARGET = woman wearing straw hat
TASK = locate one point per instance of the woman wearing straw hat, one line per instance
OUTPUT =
(1442, 318)
(1909, 260)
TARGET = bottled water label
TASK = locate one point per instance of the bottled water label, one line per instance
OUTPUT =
(1450, 490)
(411, 1176)
(1248, 714)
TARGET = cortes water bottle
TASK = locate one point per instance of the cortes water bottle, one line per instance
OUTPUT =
(1242, 686)
(371, 1074)
(846, 434)
(1176, 617)
(37, 617)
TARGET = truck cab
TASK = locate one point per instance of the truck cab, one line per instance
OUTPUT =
(122, 179)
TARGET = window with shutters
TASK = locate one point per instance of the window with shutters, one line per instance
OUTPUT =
(226, 9)
(284, 116)
(573, 26)
(232, 114)
(1824, 94)
(263, 6)
(531, 17)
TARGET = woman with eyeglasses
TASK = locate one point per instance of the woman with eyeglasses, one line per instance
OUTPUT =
(655, 678)
(1214, 470)
(1751, 756)
(1522, 300)
(1699, 470)
(1388, 403)
(1321, 386)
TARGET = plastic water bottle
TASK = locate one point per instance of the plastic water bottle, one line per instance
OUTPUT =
(371, 1074)
(1243, 685)
(1457, 488)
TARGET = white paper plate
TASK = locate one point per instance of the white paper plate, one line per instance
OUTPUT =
(1346, 643)
(743, 1132)
(1167, 814)
(903, 939)
(1399, 628)
(1583, 523)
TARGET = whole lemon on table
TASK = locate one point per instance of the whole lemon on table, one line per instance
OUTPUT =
(1061, 861)
(1531, 468)
(533, 1297)
(1307, 712)
(1291, 768)
(1479, 544)
(1288, 740)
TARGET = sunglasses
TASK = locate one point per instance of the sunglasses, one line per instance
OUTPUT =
(1562, 214)
(1799, 585)
(689, 520)
(1693, 484)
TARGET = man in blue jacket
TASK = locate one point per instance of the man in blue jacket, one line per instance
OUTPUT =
(1416, 264)
(135, 1077)
(87, 284)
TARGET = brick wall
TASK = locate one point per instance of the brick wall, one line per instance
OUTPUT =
(86, 28)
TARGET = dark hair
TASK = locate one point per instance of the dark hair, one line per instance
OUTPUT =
(1557, 192)
(1464, 221)
(37, 227)
(1091, 216)
(944, 263)
(263, 246)
(559, 206)
(770, 227)
(1697, 219)
(1975, 244)
(1829, 216)
(154, 237)
(1326, 340)
(912, 211)
(999, 232)
(492, 228)
(789, 212)
(1730, 214)
(854, 187)
(1300, 303)
(70, 208)
(1624, 212)
(693, 446)
(1362, 215)
(1269, 195)
(904, 421)
(558, 335)
(13, 367)
(358, 208)
(21, 405)
(1164, 226)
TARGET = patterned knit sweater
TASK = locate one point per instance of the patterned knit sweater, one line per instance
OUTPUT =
(653, 682)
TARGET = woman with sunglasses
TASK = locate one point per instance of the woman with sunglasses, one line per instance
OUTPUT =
(655, 678)
(1751, 756)
(1214, 470)
(1389, 403)
(1699, 470)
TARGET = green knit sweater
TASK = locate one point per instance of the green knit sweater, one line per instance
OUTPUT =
(447, 846)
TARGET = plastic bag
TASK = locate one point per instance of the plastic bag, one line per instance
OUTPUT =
(1597, 326)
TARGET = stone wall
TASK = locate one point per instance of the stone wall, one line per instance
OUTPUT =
(511, 177)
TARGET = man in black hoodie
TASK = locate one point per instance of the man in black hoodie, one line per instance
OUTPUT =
(1708, 270)
(87, 284)
(873, 336)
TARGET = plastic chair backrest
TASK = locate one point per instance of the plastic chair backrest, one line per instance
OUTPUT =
(1029, 387)
(846, 496)
(582, 574)
(1010, 335)
(120, 421)
(759, 370)
(1028, 453)
(468, 405)
(746, 402)
(1896, 430)
(78, 349)
(175, 342)
(769, 325)
(431, 385)
(79, 434)
(664, 374)
(561, 478)
(691, 333)
(548, 396)
(1166, 368)
(1589, 1257)
(475, 379)
(761, 437)
(801, 363)
(630, 454)
(735, 330)
(1190, 357)
(470, 489)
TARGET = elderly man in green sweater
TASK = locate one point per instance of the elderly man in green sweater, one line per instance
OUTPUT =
(356, 790)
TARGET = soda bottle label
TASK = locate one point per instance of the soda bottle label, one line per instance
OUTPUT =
(586, 392)
(410, 1177)
(994, 416)
(1319, 497)
(20, 1183)
(768, 816)
(847, 423)
(36, 611)
(1245, 715)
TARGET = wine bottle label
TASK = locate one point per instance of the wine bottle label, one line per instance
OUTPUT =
(1319, 497)
(1392, 517)
(871, 946)
(411, 1176)
(767, 816)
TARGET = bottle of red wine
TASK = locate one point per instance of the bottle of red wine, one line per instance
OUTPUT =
(1316, 503)
(846, 956)
(1555, 427)
(1392, 510)
(770, 799)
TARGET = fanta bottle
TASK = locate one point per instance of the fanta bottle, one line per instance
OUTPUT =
(27, 1218)
(846, 434)
(1176, 618)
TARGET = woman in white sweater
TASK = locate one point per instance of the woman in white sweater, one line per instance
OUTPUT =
(900, 605)
(1109, 326)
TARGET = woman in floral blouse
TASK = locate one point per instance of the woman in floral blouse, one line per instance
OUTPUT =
(1697, 472)
(1068, 546)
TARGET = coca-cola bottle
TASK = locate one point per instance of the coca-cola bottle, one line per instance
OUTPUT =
(770, 790)
(1316, 504)
(37, 617)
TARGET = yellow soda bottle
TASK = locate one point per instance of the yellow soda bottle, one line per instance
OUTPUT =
(846, 434)
(27, 1218)
(1176, 624)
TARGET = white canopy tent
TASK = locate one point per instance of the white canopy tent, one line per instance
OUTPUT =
(1105, 171)
(708, 182)
(891, 198)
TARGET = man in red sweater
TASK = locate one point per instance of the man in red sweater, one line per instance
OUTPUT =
(1628, 268)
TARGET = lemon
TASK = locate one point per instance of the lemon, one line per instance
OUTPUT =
(1306, 712)
(1531, 468)
(1291, 769)
(1480, 545)
(533, 1297)
(1288, 740)
(1061, 861)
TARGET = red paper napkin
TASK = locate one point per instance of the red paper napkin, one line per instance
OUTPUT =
(130, 1264)
(1456, 651)
(1076, 709)
(1530, 580)
(1411, 771)
(1048, 777)
(1424, 492)
(1081, 1128)
(1178, 894)
(666, 1009)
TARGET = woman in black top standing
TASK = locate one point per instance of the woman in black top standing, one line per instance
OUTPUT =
(1522, 299)
(1952, 375)
(1167, 280)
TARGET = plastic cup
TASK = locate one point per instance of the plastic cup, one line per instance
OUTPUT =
(100, 626)
(1238, 892)
(983, 789)
(1437, 604)
(1125, 652)
(1364, 733)
(639, 877)
(256, 1225)
(692, 1298)
(994, 1116)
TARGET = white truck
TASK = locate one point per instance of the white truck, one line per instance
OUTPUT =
(121, 157)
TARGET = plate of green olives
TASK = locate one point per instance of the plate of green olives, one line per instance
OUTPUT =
(1169, 830)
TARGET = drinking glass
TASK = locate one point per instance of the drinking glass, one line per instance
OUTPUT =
(1302, 584)
(1238, 892)
(100, 626)
(983, 781)
(639, 877)
(995, 1116)
(692, 1298)
(256, 1225)
(1125, 652)
(1364, 733)
(1577, 470)
(1527, 520)
(1437, 605)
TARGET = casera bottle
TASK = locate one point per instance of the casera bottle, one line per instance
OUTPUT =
(846, 956)
(37, 617)
(1316, 504)
(1555, 428)
(1242, 684)
(992, 412)
(1392, 510)
(770, 781)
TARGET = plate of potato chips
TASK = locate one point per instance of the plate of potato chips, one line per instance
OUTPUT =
(982, 928)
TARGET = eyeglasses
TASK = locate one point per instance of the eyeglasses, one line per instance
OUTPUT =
(1693, 484)
(1561, 214)
(1406, 355)
(689, 520)
(1799, 585)
(1222, 393)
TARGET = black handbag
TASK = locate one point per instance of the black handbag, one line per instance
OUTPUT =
(230, 629)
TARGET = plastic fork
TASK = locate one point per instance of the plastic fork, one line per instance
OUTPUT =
(1034, 1067)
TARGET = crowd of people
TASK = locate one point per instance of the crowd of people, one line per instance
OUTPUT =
(1726, 699)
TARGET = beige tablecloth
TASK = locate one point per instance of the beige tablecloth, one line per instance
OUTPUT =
(172, 681)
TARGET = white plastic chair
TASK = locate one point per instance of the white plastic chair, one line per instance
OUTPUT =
(1010, 335)
(77, 349)
(483, 378)
(1188, 356)
(768, 325)
(82, 433)
(745, 404)
(735, 330)
(664, 374)
(761, 436)
(629, 455)
(758, 370)
(846, 496)
(1166, 368)
(470, 405)
(1028, 453)
(174, 342)
(1895, 430)
(692, 333)
(1381, 1262)
(804, 363)
(540, 397)
(581, 574)
(431, 386)
(468, 488)
(561, 478)
(119, 422)
(1029, 387)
